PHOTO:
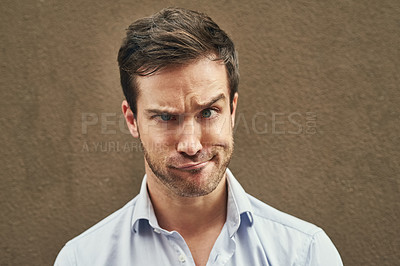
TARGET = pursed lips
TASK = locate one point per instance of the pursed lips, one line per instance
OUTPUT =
(193, 165)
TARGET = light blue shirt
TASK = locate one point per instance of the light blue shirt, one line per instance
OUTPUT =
(254, 234)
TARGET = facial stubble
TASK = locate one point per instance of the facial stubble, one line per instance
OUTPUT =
(220, 155)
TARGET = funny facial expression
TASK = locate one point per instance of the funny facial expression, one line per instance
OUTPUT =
(184, 122)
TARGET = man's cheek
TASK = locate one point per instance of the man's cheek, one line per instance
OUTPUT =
(164, 143)
(154, 144)
(222, 128)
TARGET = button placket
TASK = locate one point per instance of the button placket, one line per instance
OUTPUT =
(182, 258)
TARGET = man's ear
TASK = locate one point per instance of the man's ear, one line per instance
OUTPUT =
(130, 119)
(234, 106)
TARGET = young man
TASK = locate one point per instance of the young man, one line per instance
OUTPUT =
(179, 74)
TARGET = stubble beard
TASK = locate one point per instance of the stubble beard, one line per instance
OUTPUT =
(221, 155)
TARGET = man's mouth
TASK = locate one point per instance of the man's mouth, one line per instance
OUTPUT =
(192, 165)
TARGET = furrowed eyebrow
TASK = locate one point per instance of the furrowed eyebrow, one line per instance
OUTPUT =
(211, 102)
(172, 111)
(161, 111)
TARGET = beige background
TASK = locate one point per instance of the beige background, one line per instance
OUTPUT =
(317, 133)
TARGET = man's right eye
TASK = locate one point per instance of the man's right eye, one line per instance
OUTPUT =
(167, 117)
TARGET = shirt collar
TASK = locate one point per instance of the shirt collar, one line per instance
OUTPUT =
(238, 204)
(144, 208)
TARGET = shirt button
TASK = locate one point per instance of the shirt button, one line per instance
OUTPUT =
(182, 258)
(157, 230)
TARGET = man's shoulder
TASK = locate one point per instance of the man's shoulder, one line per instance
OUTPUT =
(267, 215)
(293, 240)
(107, 225)
(99, 238)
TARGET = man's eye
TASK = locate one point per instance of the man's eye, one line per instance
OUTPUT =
(207, 113)
(166, 117)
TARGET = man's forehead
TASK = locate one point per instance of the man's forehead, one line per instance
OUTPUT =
(188, 103)
(184, 87)
(200, 71)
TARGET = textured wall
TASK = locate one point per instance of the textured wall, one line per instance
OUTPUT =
(317, 131)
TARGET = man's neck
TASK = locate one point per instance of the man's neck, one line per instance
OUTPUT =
(188, 215)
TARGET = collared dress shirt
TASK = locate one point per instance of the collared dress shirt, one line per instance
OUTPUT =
(253, 234)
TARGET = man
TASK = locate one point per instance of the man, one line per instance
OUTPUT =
(179, 74)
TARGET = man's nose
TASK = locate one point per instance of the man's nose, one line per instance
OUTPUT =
(189, 139)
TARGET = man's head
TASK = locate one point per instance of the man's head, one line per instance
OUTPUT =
(173, 36)
(179, 74)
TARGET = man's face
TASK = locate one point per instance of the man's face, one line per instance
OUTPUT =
(184, 123)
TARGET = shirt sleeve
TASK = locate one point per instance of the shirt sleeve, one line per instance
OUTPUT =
(66, 257)
(323, 252)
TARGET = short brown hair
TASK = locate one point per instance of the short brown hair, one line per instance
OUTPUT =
(172, 36)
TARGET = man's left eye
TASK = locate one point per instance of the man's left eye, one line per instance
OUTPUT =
(207, 113)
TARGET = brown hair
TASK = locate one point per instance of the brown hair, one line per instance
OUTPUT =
(172, 36)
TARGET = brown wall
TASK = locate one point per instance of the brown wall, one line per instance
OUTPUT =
(317, 133)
